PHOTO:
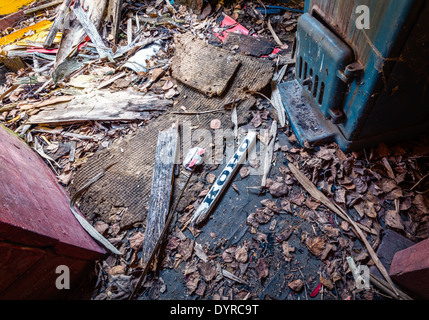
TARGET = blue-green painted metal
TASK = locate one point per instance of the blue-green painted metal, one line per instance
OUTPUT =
(321, 60)
(389, 99)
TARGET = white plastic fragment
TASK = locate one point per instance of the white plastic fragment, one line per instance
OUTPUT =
(193, 158)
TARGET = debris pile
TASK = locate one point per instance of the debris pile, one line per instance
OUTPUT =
(89, 84)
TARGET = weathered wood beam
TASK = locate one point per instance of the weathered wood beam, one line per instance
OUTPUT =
(162, 185)
(74, 35)
(102, 105)
(114, 16)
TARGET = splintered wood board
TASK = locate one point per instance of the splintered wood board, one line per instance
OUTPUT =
(162, 185)
(102, 105)
(74, 35)
(201, 66)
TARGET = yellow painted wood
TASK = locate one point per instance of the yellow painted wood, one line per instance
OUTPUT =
(19, 34)
(11, 6)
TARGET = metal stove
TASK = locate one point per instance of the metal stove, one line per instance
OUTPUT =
(358, 86)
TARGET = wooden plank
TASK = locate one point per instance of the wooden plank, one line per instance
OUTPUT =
(7, 7)
(102, 105)
(111, 80)
(276, 99)
(13, 63)
(160, 241)
(18, 34)
(42, 7)
(114, 12)
(162, 185)
(35, 210)
(15, 261)
(38, 282)
(47, 102)
(223, 180)
(11, 19)
(130, 31)
(410, 269)
(384, 286)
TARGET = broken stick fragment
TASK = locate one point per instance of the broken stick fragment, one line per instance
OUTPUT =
(269, 153)
(223, 180)
(58, 22)
(91, 31)
(83, 222)
(276, 99)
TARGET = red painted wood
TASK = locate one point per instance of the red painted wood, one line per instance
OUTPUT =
(410, 269)
(15, 261)
(34, 208)
(17, 202)
(38, 231)
(11, 19)
(38, 282)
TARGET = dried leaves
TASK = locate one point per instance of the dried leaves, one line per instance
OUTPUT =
(315, 245)
(371, 191)
(278, 189)
(192, 281)
(228, 255)
(394, 220)
(186, 248)
(204, 271)
(370, 188)
(136, 241)
(241, 254)
(368, 191)
(296, 285)
(244, 172)
(262, 268)
(207, 270)
(287, 251)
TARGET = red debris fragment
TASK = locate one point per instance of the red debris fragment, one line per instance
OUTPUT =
(315, 292)
(228, 21)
